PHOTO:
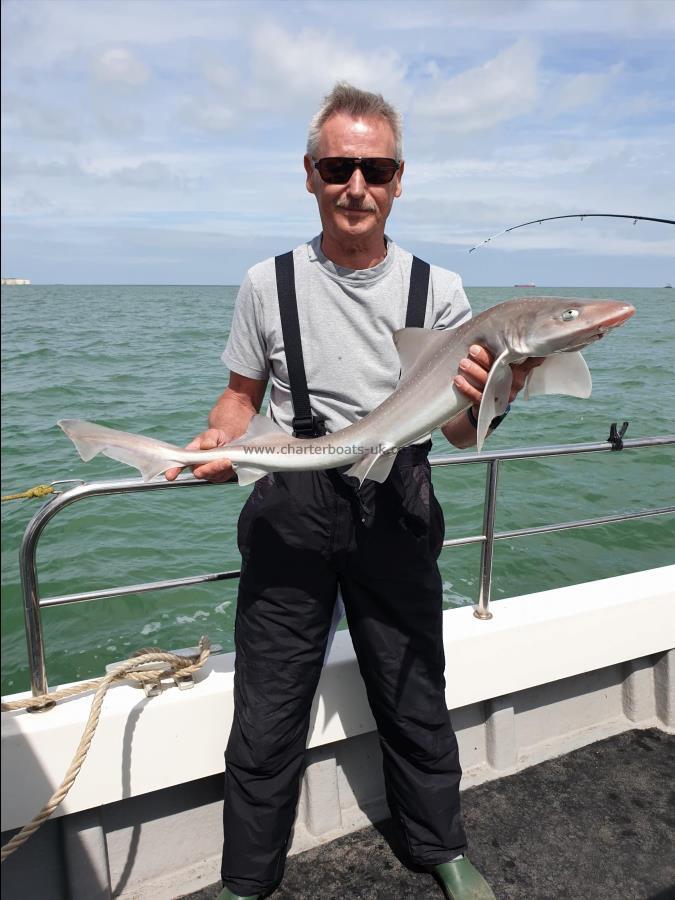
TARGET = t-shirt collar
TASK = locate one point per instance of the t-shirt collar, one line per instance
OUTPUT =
(360, 276)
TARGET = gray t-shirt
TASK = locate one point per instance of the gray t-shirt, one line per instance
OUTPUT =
(347, 318)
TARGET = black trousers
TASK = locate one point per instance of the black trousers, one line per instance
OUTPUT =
(301, 535)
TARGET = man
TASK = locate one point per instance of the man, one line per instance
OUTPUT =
(319, 323)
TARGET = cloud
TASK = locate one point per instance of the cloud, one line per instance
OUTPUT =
(119, 66)
(36, 119)
(286, 72)
(119, 123)
(77, 179)
(287, 66)
(650, 14)
(45, 32)
(558, 17)
(208, 115)
(148, 174)
(15, 165)
(585, 88)
(525, 163)
(31, 203)
(481, 97)
(646, 104)
(219, 75)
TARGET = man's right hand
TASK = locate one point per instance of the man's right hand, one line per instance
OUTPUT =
(219, 471)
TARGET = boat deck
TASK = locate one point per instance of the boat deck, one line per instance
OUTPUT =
(596, 824)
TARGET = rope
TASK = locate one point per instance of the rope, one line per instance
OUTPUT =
(40, 490)
(181, 666)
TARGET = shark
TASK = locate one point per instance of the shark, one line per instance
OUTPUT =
(425, 398)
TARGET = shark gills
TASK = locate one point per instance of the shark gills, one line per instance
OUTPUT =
(425, 398)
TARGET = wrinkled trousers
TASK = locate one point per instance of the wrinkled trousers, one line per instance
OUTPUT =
(301, 536)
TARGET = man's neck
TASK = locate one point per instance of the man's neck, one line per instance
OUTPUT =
(357, 255)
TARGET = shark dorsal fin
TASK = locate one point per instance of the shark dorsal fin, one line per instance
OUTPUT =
(259, 426)
(412, 343)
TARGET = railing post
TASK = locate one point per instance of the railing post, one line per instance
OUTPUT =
(31, 605)
(481, 610)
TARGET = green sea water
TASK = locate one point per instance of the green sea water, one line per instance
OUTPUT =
(147, 359)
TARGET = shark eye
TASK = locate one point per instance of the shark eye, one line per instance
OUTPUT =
(570, 314)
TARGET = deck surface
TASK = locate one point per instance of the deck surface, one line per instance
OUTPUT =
(596, 824)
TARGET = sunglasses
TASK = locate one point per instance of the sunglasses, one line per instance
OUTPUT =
(339, 169)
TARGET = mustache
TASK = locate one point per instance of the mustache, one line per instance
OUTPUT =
(344, 203)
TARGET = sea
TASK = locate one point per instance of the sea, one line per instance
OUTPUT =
(147, 359)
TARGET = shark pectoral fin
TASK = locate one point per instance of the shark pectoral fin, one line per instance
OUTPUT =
(495, 396)
(561, 373)
(247, 474)
(260, 429)
(375, 466)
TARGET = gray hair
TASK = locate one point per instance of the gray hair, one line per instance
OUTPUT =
(345, 98)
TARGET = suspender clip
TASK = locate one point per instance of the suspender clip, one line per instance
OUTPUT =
(308, 426)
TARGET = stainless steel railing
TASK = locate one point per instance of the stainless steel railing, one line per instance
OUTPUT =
(33, 604)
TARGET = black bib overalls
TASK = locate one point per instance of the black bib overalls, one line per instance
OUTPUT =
(301, 536)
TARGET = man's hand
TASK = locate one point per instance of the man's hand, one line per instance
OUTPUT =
(474, 370)
(471, 380)
(219, 471)
(229, 419)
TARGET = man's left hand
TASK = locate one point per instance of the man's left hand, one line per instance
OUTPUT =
(474, 370)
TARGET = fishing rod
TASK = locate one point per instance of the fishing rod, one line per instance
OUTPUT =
(580, 216)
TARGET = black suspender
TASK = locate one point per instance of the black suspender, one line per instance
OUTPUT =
(305, 424)
(417, 295)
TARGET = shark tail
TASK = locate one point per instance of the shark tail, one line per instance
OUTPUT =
(143, 454)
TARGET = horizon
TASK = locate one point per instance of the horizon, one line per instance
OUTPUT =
(647, 287)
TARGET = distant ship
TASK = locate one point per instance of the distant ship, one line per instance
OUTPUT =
(667, 285)
(15, 281)
(529, 284)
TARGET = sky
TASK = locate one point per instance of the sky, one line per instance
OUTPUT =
(161, 141)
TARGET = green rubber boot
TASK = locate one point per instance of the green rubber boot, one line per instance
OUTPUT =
(226, 894)
(461, 880)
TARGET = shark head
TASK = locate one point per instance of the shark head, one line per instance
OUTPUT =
(545, 325)
(555, 328)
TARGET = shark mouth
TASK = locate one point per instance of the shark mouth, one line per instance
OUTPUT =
(618, 318)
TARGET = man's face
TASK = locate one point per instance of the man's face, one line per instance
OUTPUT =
(356, 210)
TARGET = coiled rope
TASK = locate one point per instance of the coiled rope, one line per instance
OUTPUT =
(134, 669)
(40, 490)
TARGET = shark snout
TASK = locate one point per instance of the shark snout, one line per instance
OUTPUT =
(624, 312)
(615, 317)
